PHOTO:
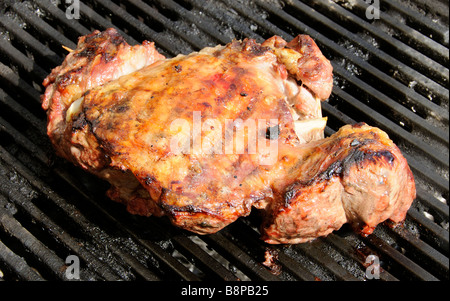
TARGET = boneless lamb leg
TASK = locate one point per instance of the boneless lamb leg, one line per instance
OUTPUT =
(112, 108)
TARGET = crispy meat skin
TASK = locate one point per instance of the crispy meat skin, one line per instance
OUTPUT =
(98, 58)
(356, 176)
(122, 127)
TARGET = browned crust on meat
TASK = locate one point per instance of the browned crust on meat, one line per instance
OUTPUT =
(122, 132)
(99, 57)
(314, 69)
(363, 180)
(310, 66)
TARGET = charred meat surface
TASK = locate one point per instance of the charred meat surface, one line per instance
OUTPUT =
(205, 137)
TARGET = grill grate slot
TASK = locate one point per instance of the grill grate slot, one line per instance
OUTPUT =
(390, 74)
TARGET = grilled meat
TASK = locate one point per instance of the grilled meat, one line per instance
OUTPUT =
(203, 138)
(356, 176)
(99, 57)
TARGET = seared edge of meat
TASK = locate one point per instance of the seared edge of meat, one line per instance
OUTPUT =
(99, 57)
(356, 176)
(303, 58)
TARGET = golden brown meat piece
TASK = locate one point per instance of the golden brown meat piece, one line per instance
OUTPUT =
(205, 137)
(99, 57)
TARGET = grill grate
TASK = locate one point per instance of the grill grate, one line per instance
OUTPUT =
(389, 72)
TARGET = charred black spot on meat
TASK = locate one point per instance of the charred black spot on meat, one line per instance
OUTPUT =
(206, 104)
(258, 50)
(255, 48)
(360, 157)
(117, 40)
(150, 180)
(69, 77)
(178, 68)
(231, 91)
(88, 51)
(92, 122)
(356, 157)
(120, 108)
(290, 194)
(173, 210)
(334, 169)
(79, 122)
(107, 57)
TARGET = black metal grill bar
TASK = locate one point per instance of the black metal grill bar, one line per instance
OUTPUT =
(183, 243)
(406, 265)
(394, 64)
(437, 262)
(205, 26)
(294, 268)
(239, 23)
(249, 241)
(9, 102)
(204, 260)
(411, 37)
(18, 264)
(316, 254)
(437, 8)
(71, 27)
(342, 245)
(62, 238)
(49, 57)
(95, 18)
(23, 62)
(434, 233)
(239, 244)
(140, 27)
(378, 119)
(241, 259)
(426, 26)
(404, 52)
(30, 242)
(41, 28)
